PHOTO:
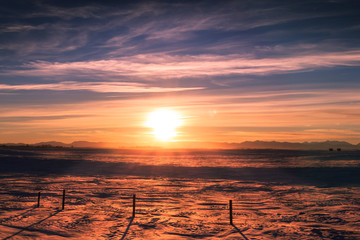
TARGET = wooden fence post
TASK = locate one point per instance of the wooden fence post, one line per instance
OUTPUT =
(230, 212)
(38, 204)
(63, 200)
(134, 199)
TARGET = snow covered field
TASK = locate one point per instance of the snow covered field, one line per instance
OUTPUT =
(178, 200)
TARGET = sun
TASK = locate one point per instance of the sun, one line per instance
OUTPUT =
(164, 123)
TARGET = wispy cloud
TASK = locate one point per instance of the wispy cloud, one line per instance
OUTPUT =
(23, 119)
(110, 87)
(140, 27)
(20, 28)
(167, 66)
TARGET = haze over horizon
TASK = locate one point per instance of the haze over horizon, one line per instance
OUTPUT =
(234, 71)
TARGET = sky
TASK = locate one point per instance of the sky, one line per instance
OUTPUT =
(233, 70)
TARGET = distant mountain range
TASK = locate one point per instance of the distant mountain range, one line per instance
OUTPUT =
(304, 145)
(244, 145)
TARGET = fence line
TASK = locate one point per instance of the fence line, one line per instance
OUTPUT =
(133, 205)
(134, 211)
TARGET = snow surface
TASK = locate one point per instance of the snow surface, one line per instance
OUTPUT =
(99, 206)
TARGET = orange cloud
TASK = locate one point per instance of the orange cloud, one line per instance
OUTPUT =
(118, 87)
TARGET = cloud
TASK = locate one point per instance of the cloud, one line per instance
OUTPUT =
(109, 87)
(153, 66)
(338, 131)
(118, 28)
(23, 119)
(20, 28)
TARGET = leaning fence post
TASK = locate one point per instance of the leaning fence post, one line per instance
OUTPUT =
(230, 212)
(63, 200)
(134, 199)
(38, 204)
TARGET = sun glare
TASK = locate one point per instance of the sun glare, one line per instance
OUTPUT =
(164, 123)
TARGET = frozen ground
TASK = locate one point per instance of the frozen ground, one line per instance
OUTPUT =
(99, 206)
